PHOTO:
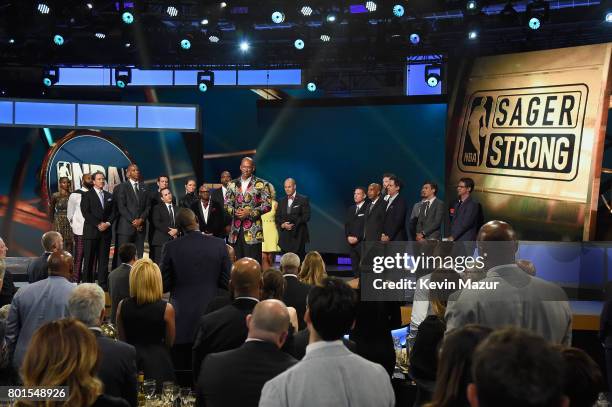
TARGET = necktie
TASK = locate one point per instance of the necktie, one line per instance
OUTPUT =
(136, 191)
(356, 209)
(370, 208)
(171, 214)
(101, 196)
(426, 208)
(289, 203)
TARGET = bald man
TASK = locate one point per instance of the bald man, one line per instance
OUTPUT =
(292, 216)
(210, 214)
(375, 214)
(256, 361)
(224, 329)
(38, 303)
(508, 295)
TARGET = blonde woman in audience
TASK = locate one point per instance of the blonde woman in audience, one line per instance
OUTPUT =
(65, 353)
(270, 244)
(146, 321)
(313, 269)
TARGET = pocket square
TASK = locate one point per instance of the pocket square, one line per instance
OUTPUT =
(295, 206)
(361, 214)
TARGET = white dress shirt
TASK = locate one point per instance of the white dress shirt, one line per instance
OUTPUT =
(224, 192)
(244, 184)
(75, 217)
(290, 200)
(205, 210)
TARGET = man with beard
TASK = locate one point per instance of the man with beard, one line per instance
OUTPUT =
(209, 213)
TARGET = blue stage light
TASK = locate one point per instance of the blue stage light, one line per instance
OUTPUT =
(331, 18)
(202, 87)
(608, 17)
(127, 17)
(471, 5)
(473, 34)
(58, 40)
(398, 10)
(298, 44)
(244, 46)
(278, 17)
(415, 38)
(50, 76)
(311, 87)
(185, 44)
(534, 23)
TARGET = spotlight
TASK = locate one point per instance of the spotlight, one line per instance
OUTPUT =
(223, 4)
(204, 21)
(50, 76)
(127, 17)
(89, 5)
(371, 6)
(398, 10)
(299, 44)
(325, 38)
(127, 44)
(331, 18)
(58, 40)
(306, 11)
(123, 76)
(244, 46)
(471, 5)
(433, 75)
(608, 18)
(534, 23)
(214, 37)
(11, 40)
(311, 86)
(278, 17)
(415, 38)
(43, 8)
(185, 44)
(206, 80)
(100, 35)
(472, 34)
(172, 11)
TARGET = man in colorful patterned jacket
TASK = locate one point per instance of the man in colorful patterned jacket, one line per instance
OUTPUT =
(247, 198)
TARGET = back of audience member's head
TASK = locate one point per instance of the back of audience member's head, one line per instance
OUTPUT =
(515, 367)
(313, 269)
(331, 309)
(4, 311)
(87, 304)
(52, 241)
(497, 243)
(583, 378)
(273, 285)
(63, 353)
(60, 264)
(290, 263)
(245, 278)
(527, 266)
(455, 365)
(2, 271)
(231, 253)
(269, 322)
(127, 253)
(438, 296)
(145, 282)
(186, 220)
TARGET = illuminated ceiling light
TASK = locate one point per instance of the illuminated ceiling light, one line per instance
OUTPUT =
(127, 17)
(311, 86)
(278, 17)
(306, 11)
(50, 76)
(185, 44)
(123, 76)
(204, 21)
(331, 18)
(608, 18)
(433, 75)
(172, 11)
(58, 40)
(43, 8)
(534, 23)
(415, 38)
(89, 5)
(11, 40)
(325, 38)
(471, 5)
(299, 44)
(100, 35)
(214, 37)
(398, 10)
(223, 4)
(371, 6)
(473, 34)
(244, 46)
(128, 44)
(206, 80)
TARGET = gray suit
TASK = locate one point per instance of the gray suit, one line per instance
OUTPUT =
(330, 375)
(430, 223)
(519, 300)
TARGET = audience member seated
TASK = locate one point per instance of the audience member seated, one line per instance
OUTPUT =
(251, 365)
(51, 242)
(527, 266)
(5, 368)
(583, 379)
(515, 367)
(7, 287)
(424, 353)
(225, 328)
(37, 303)
(117, 360)
(119, 278)
(518, 300)
(454, 371)
(146, 321)
(65, 353)
(313, 269)
(295, 291)
(274, 289)
(329, 374)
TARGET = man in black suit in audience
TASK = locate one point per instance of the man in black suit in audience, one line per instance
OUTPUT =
(258, 360)
(292, 216)
(51, 241)
(354, 226)
(155, 199)
(132, 201)
(225, 328)
(117, 361)
(119, 278)
(99, 211)
(465, 218)
(375, 214)
(295, 291)
(210, 214)
(164, 224)
(394, 223)
(218, 195)
(431, 213)
(193, 267)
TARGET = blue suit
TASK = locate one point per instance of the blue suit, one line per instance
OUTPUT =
(465, 219)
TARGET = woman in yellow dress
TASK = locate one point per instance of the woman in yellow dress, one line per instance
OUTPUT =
(270, 234)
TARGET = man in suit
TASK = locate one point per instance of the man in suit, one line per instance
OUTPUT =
(7, 285)
(225, 328)
(210, 214)
(375, 214)
(99, 211)
(38, 303)
(218, 195)
(431, 213)
(77, 221)
(394, 223)
(292, 216)
(117, 361)
(247, 198)
(155, 198)
(193, 267)
(322, 373)
(464, 213)
(119, 278)
(164, 224)
(354, 227)
(51, 241)
(295, 291)
(258, 360)
(132, 202)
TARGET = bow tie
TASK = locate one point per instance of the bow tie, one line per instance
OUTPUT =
(291, 197)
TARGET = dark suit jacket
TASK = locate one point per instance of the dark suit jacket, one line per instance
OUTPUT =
(216, 221)
(295, 296)
(221, 330)
(154, 200)
(94, 213)
(161, 223)
(430, 224)
(375, 217)
(193, 267)
(8, 290)
(293, 240)
(119, 287)
(355, 222)
(394, 223)
(251, 366)
(129, 206)
(37, 269)
(464, 220)
(117, 368)
(217, 196)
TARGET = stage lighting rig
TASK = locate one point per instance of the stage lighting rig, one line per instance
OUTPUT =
(213, 36)
(415, 38)
(244, 46)
(306, 10)
(172, 11)
(185, 44)
(123, 76)
(278, 17)
(371, 6)
(299, 44)
(537, 12)
(50, 76)
(311, 87)
(433, 75)
(58, 39)
(206, 80)
(43, 8)
(608, 17)
(398, 10)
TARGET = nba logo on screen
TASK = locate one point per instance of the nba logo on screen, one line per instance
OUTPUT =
(525, 132)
